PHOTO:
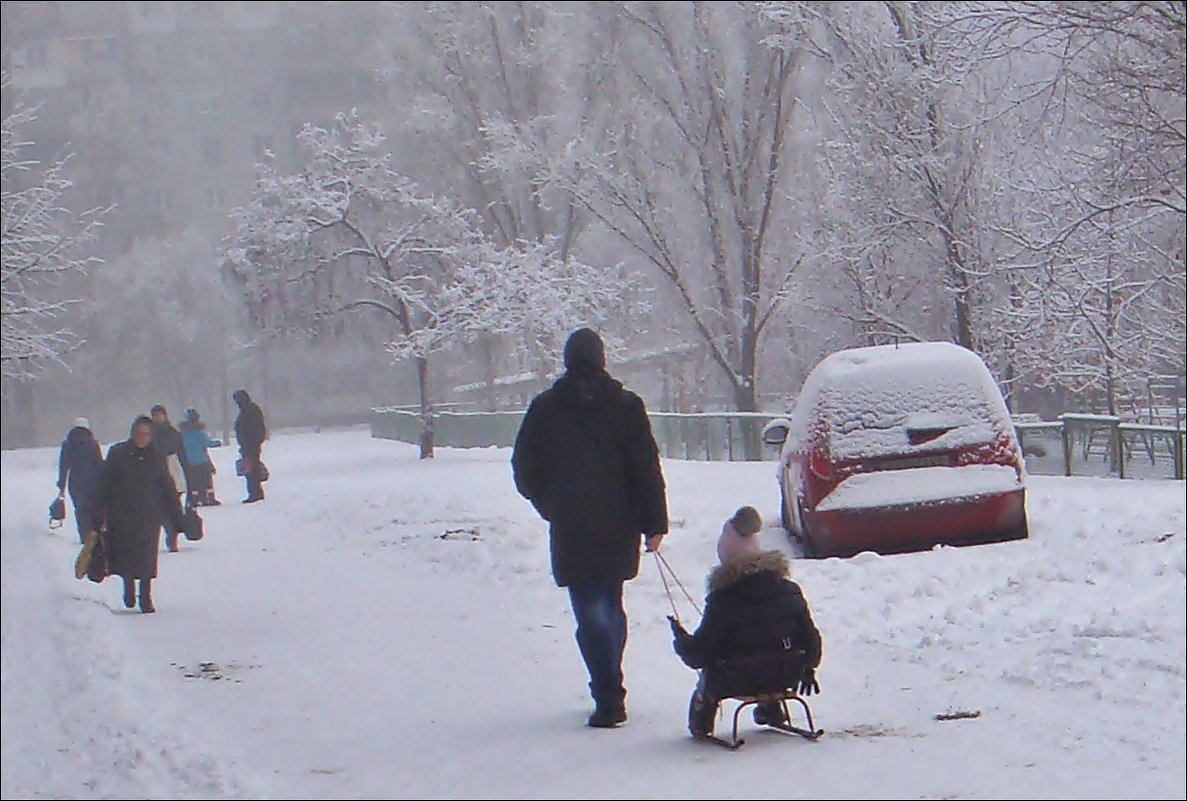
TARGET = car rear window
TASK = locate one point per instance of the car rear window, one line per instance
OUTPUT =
(888, 400)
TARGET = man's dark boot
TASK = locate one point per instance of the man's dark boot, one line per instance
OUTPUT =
(146, 596)
(607, 716)
(129, 593)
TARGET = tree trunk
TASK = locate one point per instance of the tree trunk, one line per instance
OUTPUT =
(957, 276)
(490, 393)
(746, 400)
(426, 408)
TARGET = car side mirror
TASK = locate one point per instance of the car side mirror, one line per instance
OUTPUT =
(775, 432)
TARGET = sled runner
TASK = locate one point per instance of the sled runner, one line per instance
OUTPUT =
(782, 697)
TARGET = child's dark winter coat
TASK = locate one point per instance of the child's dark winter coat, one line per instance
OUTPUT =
(757, 634)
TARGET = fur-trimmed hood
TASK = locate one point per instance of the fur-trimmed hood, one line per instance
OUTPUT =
(735, 570)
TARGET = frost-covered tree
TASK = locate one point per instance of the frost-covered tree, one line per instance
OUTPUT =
(487, 92)
(349, 233)
(912, 106)
(161, 328)
(44, 246)
(1104, 198)
(694, 178)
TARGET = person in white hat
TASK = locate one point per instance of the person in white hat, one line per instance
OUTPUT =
(79, 464)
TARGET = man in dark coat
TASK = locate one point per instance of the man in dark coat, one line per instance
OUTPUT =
(136, 496)
(167, 440)
(250, 432)
(586, 458)
(757, 635)
(80, 462)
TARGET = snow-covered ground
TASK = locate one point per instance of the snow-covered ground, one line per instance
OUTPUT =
(383, 627)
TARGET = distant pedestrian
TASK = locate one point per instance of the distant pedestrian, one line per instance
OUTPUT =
(80, 463)
(251, 432)
(135, 497)
(586, 458)
(167, 440)
(200, 469)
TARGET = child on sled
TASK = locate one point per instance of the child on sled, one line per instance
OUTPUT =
(757, 635)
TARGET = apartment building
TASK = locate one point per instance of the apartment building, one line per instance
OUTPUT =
(167, 106)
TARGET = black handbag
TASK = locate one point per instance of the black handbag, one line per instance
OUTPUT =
(92, 559)
(57, 512)
(192, 525)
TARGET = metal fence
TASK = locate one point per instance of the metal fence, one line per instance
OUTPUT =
(1100, 445)
(1075, 445)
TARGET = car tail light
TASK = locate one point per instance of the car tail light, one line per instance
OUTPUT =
(820, 464)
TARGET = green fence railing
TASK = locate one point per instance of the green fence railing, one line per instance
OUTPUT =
(1101, 445)
(1075, 445)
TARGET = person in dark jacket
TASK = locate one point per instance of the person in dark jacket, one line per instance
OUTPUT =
(586, 459)
(167, 440)
(136, 496)
(250, 432)
(200, 471)
(79, 464)
(757, 635)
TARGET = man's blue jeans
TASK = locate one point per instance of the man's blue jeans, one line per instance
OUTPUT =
(601, 636)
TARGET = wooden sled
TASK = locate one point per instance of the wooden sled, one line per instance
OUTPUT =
(782, 697)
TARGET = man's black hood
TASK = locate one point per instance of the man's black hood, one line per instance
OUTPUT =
(584, 351)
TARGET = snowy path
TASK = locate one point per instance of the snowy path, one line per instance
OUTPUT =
(83, 713)
(382, 627)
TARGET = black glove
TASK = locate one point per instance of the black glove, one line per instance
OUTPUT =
(679, 635)
(808, 683)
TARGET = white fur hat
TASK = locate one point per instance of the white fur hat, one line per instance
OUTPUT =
(82, 422)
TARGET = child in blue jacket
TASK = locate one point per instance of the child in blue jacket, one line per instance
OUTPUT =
(199, 468)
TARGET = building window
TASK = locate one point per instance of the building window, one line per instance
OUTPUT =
(212, 150)
(36, 55)
(261, 97)
(215, 198)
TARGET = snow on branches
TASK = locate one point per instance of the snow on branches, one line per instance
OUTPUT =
(349, 233)
(42, 244)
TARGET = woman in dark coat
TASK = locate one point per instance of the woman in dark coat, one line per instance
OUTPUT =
(80, 463)
(136, 496)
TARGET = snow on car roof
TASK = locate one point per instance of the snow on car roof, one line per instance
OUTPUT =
(867, 398)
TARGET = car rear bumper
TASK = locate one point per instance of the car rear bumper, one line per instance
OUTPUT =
(994, 517)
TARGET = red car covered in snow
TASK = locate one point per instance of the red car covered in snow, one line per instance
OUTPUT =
(899, 448)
